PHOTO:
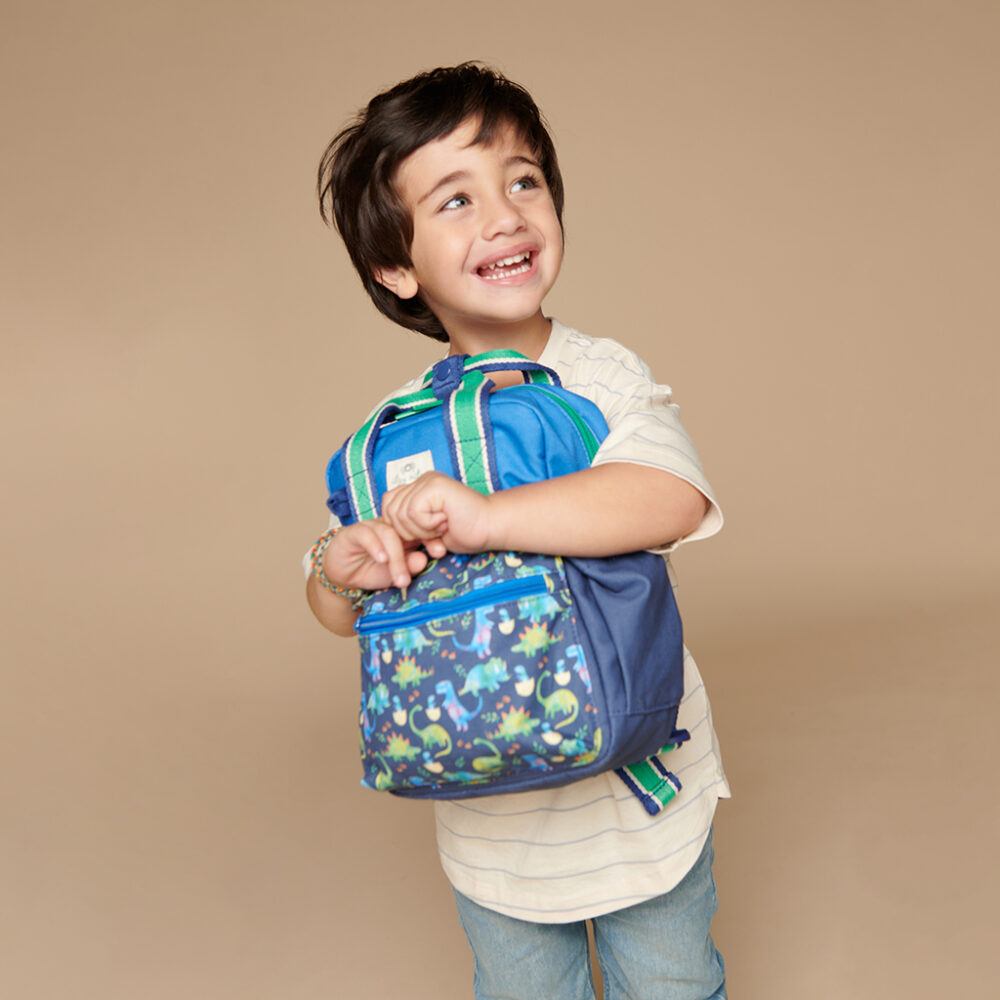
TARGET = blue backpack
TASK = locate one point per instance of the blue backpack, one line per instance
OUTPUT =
(506, 671)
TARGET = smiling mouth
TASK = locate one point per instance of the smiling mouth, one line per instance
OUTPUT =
(518, 263)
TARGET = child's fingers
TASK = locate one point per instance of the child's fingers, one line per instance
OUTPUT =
(416, 561)
(393, 553)
(436, 548)
(438, 507)
(369, 554)
(357, 543)
(415, 511)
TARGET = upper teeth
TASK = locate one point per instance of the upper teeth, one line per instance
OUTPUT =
(507, 261)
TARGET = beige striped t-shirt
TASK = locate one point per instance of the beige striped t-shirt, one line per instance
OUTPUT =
(589, 848)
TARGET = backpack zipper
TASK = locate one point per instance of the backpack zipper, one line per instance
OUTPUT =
(508, 590)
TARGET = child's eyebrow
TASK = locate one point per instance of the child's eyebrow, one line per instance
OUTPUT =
(461, 175)
(455, 175)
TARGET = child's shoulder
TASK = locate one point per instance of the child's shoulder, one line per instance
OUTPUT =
(568, 347)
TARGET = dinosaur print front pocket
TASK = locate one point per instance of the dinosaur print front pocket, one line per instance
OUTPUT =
(475, 676)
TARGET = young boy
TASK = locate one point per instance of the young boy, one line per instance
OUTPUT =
(447, 192)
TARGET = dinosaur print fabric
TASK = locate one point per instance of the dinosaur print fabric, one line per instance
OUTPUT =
(476, 674)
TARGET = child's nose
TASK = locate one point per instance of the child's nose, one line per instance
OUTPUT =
(502, 217)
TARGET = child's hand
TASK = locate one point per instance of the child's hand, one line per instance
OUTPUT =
(440, 513)
(371, 555)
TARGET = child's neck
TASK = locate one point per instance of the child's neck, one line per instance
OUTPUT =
(528, 337)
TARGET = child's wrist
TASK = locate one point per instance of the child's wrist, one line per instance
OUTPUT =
(317, 559)
(496, 530)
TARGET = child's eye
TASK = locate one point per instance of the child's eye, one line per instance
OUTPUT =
(458, 201)
(525, 183)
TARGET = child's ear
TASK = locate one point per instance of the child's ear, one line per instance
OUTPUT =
(399, 280)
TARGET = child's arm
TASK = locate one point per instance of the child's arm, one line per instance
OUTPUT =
(605, 510)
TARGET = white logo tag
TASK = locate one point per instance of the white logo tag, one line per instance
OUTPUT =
(401, 471)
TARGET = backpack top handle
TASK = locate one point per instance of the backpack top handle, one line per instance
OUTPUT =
(459, 385)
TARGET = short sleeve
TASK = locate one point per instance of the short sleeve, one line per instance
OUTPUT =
(644, 423)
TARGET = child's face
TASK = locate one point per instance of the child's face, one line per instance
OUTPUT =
(487, 245)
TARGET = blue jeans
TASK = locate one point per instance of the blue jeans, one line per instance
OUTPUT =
(657, 950)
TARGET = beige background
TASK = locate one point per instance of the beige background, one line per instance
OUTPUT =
(790, 209)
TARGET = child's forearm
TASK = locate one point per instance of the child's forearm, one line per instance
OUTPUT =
(606, 510)
(332, 611)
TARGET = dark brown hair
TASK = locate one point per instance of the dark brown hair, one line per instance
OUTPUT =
(355, 183)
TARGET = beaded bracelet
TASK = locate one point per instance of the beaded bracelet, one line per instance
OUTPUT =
(316, 560)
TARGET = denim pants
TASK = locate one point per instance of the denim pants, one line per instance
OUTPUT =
(660, 949)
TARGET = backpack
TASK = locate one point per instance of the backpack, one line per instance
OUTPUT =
(506, 671)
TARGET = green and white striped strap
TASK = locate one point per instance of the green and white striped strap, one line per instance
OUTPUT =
(651, 783)
(360, 446)
(466, 414)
